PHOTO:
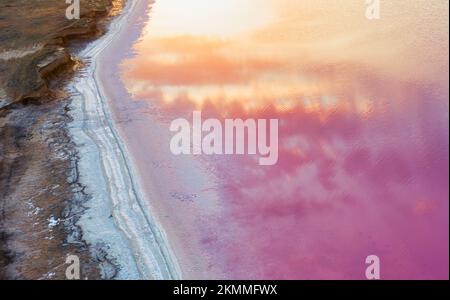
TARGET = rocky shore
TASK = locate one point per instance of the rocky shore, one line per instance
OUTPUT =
(36, 41)
(41, 197)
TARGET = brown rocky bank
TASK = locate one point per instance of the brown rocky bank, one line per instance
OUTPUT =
(35, 40)
(40, 197)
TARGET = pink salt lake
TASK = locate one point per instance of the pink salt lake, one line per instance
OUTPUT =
(363, 149)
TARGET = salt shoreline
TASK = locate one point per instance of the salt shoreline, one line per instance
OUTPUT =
(118, 219)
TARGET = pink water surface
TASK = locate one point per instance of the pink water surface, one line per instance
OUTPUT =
(363, 148)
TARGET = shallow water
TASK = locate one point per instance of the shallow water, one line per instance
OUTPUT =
(363, 157)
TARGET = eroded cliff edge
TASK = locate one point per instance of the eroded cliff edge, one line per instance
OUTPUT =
(40, 196)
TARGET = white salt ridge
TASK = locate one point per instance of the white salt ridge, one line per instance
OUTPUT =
(117, 216)
(52, 222)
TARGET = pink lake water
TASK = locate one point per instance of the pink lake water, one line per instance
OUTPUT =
(363, 136)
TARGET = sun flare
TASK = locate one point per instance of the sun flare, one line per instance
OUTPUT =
(223, 18)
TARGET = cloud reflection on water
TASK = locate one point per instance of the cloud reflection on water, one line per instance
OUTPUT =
(363, 159)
